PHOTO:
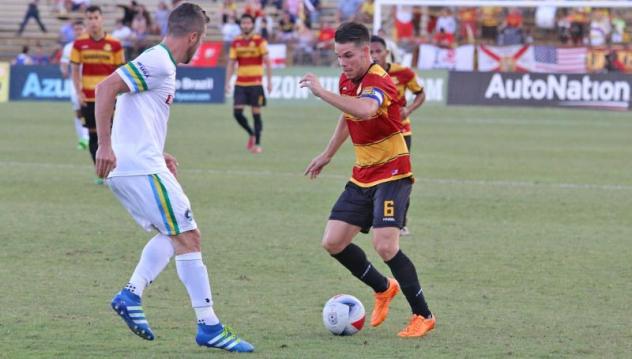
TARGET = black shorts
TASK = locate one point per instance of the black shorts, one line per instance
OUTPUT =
(249, 96)
(409, 141)
(383, 205)
(489, 32)
(87, 111)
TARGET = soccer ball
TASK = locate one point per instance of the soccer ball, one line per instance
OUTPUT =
(343, 314)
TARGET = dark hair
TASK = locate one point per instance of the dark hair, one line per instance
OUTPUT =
(25, 49)
(94, 8)
(187, 18)
(77, 22)
(247, 16)
(352, 32)
(378, 39)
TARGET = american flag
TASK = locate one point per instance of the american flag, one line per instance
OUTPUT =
(560, 60)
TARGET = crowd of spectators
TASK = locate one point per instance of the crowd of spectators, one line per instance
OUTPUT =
(302, 25)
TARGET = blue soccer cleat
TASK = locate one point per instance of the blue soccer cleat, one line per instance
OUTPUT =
(127, 305)
(221, 337)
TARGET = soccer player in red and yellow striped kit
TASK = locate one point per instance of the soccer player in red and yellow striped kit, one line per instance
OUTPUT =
(378, 191)
(405, 79)
(250, 52)
(94, 56)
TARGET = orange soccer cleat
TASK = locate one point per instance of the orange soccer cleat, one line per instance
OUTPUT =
(418, 327)
(382, 301)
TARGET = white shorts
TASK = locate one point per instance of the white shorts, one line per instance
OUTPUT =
(155, 202)
(74, 99)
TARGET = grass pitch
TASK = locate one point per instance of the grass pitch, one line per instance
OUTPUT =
(521, 221)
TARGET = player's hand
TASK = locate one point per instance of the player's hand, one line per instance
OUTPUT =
(172, 164)
(269, 87)
(317, 165)
(105, 161)
(403, 111)
(82, 98)
(228, 87)
(312, 83)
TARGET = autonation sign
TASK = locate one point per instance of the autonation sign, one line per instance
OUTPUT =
(560, 90)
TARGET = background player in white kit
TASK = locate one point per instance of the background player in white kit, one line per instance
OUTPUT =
(64, 66)
(143, 177)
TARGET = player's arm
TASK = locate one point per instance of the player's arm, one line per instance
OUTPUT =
(230, 69)
(268, 65)
(362, 108)
(106, 93)
(63, 67)
(420, 98)
(341, 133)
(76, 81)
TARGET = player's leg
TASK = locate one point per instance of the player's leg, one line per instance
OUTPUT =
(194, 275)
(240, 100)
(390, 203)
(257, 101)
(81, 131)
(89, 116)
(350, 215)
(127, 303)
(405, 231)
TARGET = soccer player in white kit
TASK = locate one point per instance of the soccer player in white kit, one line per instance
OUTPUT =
(143, 176)
(64, 66)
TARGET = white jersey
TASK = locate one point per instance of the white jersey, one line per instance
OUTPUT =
(65, 53)
(140, 120)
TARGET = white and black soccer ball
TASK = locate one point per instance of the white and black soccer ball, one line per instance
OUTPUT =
(343, 314)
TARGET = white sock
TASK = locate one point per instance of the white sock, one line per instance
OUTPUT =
(193, 274)
(156, 255)
(82, 132)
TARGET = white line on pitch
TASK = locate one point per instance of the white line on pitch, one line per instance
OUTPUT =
(448, 181)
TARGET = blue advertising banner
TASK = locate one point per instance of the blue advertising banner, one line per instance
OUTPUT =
(44, 83)
(38, 83)
(200, 84)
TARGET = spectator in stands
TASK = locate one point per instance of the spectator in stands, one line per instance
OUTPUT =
(564, 27)
(230, 30)
(613, 63)
(347, 9)
(325, 43)
(124, 34)
(294, 8)
(40, 57)
(229, 7)
(404, 29)
(443, 39)
(304, 49)
(312, 12)
(618, 28)
(468, 24)
(287, 28)
(600, 27)
(264, 25)
(140, 31)
(66, 31)
(446, 22)
(129, 11)
(253, 8)
(162, 18)
(23, 58)
(366, 12)
(579, 21)
(393, 50)
(490, 19)
(80, 5)
(512, 32)
(32, 11)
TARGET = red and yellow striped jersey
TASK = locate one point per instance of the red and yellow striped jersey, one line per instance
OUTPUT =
(404, 78)
(381, 153)
(248, 52)
(98, 59)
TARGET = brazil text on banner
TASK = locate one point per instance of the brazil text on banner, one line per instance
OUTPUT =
(433, 57)
(4, 81)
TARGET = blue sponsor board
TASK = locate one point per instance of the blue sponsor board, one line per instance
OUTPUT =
(39, 83)
(44, 83)
(200, 84)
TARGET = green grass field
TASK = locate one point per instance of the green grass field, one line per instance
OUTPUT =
(521, 221)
